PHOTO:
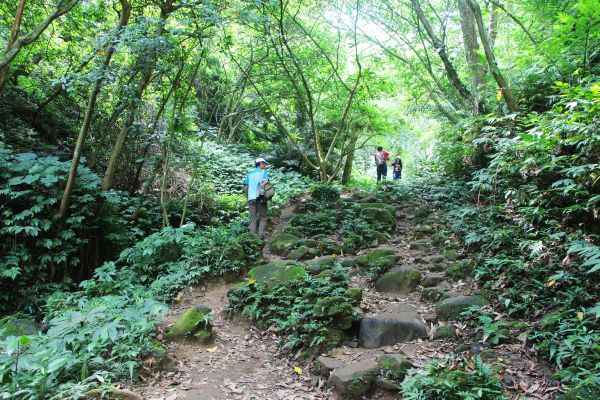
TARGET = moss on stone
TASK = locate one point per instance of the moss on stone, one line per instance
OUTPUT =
(194, 319)
(278, 273)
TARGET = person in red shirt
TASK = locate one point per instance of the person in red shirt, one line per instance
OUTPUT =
(381, 163)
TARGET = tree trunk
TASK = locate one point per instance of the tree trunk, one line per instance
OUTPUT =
(16, 42)
(123, 21)
(504, 89)
(148, 68)
(492, 25)
(349, 160)
(440, 48)
(467, 24)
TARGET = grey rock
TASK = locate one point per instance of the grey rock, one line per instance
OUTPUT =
(421, 244)
(399, 280)
(433, 279)
(324, 365)
(354, 380)
(390, 328)
(452, 307)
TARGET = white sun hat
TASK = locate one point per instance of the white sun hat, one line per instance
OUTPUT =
(260, 159)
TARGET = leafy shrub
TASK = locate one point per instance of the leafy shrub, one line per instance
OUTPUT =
(325, 193)
(35, 248)
(451, 379)
(89, 340)
(324, 222)
(310, 315)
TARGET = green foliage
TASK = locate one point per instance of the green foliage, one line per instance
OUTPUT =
(325, 193)
(89, 340)
(307, 225)
(299, 312)
(451, 379)
(36, 248)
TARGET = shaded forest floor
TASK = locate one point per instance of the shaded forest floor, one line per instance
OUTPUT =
(243, 362)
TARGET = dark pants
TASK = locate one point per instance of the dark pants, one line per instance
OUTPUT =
(397, 174)
(381, 172)
(258, 217)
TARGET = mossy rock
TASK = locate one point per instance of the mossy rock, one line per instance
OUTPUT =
(446, 332)
(452, 307)
(281, 244)
(319, 264)
(335, 308)
(583, 391)
(203, 336)
(355, 294)
(399, 280)
(194, 320)
(312, 243)
(303, 253)
(451, 255)
(381, 206)
(374, 255)
(394, 366)
(278, 273)
(19, 327)
(378, 215)
(455, 271)
(436, 293)
(354, 380)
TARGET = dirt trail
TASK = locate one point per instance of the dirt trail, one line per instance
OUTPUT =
(240, 363)
(244, 363)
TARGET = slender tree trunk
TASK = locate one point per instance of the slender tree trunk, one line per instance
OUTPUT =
(148, 71)
(349, 160)
(440, 48)
(469, 31)
(493, 25)
(123, 21)
(14, 33)
(17, 42)
(491, 60)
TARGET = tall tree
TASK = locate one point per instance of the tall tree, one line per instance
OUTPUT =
(440, 48)
(16, 42)
(469, 34)
(503, 88)
(91, 104)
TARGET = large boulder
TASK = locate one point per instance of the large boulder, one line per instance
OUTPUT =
(19, 327)
(319, 264)
(195, 323)
(281, 244)
(452, 307)
(354, 380)
(399, 280)
(390, 328)
(278, 273)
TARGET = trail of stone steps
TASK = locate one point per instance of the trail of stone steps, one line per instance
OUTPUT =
(401, 327)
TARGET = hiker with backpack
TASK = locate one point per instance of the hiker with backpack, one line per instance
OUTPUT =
(381, 163)
(397, 168)
(258, 191)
